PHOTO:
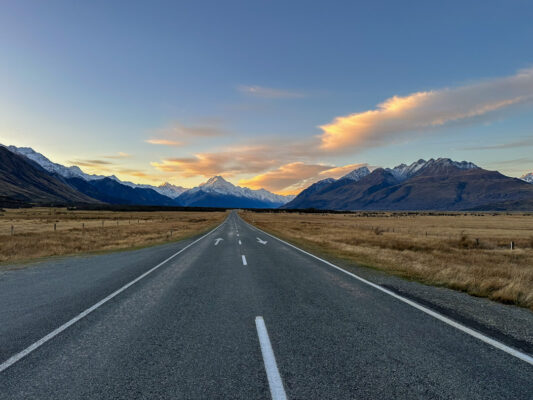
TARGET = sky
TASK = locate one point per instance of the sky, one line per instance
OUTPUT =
(272, 94)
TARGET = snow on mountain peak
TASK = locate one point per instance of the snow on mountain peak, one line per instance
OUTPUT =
(357, 174)
(527, 177)
(50, 166)
(403, 171)
(169, 190)
(219, 185)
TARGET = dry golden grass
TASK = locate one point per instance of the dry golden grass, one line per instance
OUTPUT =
(88, 231)
(468, 252)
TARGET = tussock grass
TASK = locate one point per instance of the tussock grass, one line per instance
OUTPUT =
(89, 231)
(467, 252)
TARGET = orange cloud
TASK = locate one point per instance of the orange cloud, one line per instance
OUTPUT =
(292, 178)
(227, 163)
(424, 110)
(164, 142)
(284, 176)
(337, 172)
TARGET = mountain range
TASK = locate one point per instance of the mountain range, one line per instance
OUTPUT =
(28, 177)
(440, 184)
(23, 181)
(216, 192)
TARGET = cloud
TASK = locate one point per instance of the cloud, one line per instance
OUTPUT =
(420, 111)
(292, 178)
(179, 134)
(337, 172)
(227, 163)
(284, 176)
(511, 145)
(164, 142)
(118, 156)
(269, 93)
(91, 163)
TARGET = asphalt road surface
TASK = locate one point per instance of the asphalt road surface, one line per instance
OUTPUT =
(235, 314)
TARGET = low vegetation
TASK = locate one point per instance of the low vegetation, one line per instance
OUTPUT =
(41, 232)
(467, 252)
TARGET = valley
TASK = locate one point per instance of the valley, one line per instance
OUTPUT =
(463, 251)
(43, 232)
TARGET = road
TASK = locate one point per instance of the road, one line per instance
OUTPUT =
(235, 314)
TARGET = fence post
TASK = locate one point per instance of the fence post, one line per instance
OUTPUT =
(512, 245)
(55, 227)
(12, 230)
(83, 228)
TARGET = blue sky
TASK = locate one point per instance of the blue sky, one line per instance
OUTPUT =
(272, 94)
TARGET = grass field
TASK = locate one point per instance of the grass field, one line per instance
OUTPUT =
(467, 252)
(43, 232)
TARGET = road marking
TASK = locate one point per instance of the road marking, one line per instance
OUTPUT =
(12, 360)
(244, 260)
(240, 242)
(274, 379)
(478, 335)
(217, 241)
(261, 241)
(237, 234)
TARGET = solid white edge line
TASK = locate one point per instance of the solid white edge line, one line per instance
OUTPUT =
(13, 359)
(478, 335)
(244, 260)
(274, 379)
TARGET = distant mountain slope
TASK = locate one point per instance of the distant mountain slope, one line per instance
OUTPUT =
(217, 192)
(23, 181)
(307, 195)
(110, 191)
(52, 167)
(440, 184)
(165, 189)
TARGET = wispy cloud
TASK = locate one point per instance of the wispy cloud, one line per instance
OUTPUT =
(425, 110)
(118, 156)
(178, 134)
(228, 163)
(90, 163)
(269, 93)
(510, 145)
(285, 176)
(292, 178)
(164, 142)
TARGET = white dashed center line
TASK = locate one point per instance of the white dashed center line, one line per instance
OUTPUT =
(274, 379)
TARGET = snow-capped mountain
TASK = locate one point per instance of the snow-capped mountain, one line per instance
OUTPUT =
(356, 174)
(403, 171)
(218, 184)
(440, 184)
(527, 177)
(74, 171)
(45, 163)
(217, 190)
(170, 190)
